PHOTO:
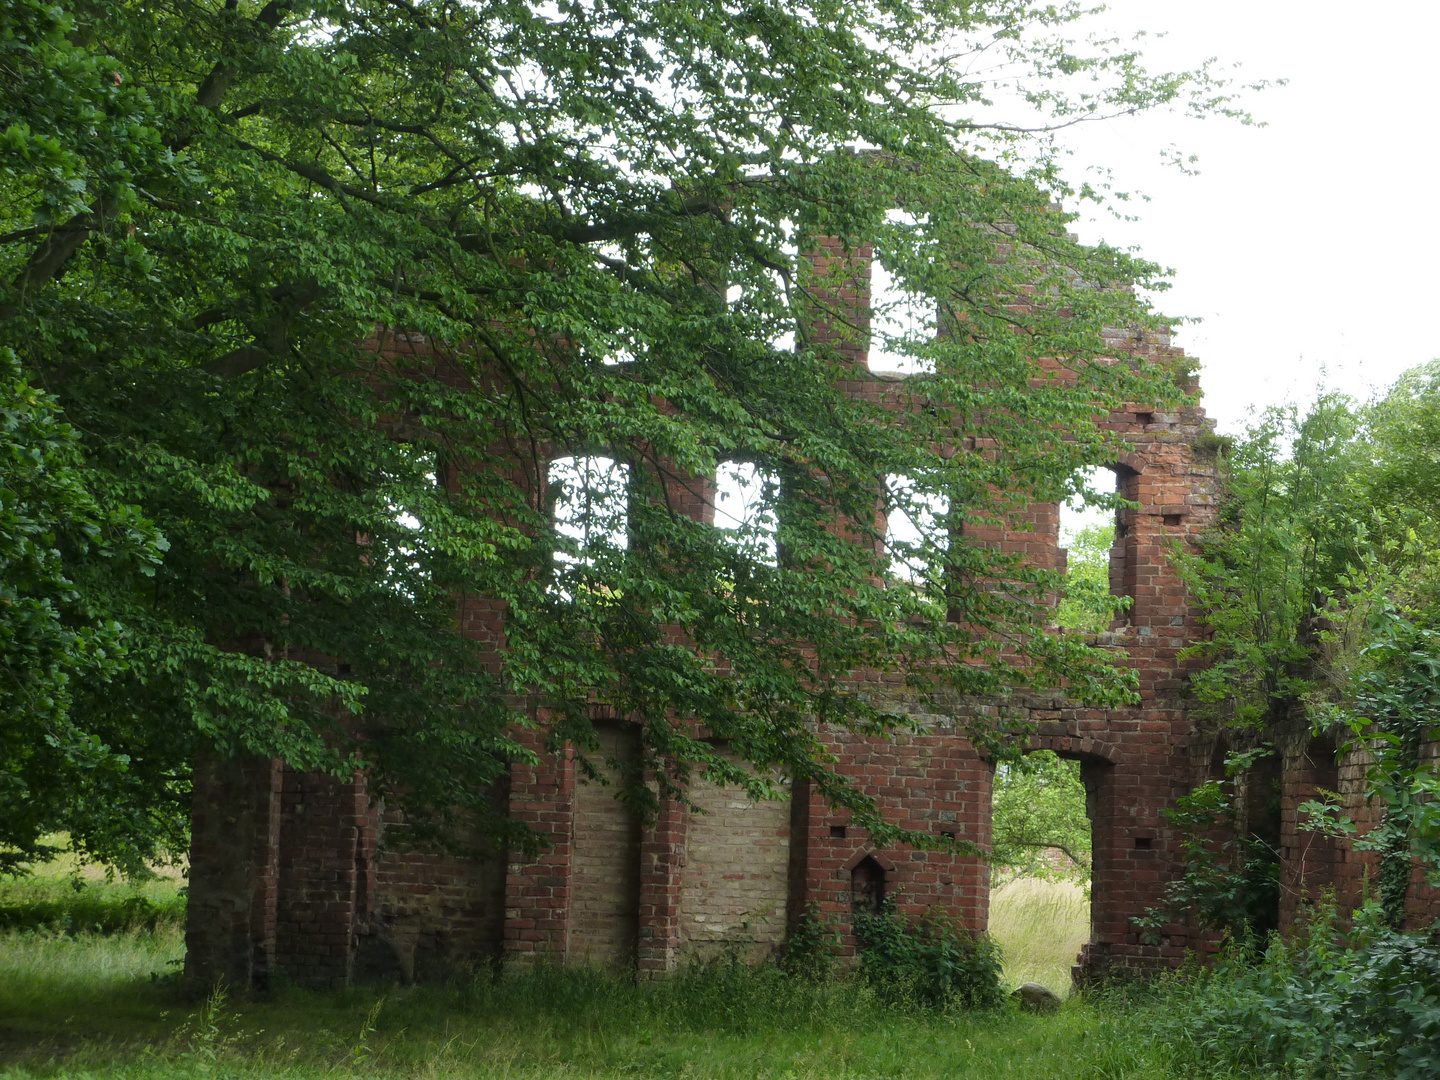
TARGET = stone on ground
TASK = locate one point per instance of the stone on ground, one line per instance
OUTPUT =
(1037, 998)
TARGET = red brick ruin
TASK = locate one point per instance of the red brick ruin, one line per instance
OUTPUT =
(292, 874)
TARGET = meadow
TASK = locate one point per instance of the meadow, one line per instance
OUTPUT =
(90, 990)
(84, 993)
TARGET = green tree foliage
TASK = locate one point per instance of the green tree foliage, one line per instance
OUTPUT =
(1320, 583)
(1086, 603)
(593, 213)
(1038, 809)
(1289, 528)
(52, 637)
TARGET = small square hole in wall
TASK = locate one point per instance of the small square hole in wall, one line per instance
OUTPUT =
(837, 832)
(1142, 843)
(948, 833)
(1173, 519)
(1144, 418)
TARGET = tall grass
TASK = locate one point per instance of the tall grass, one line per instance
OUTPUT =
(723, 1022)
(106, 1006)
(1041, 926)
(67, 896)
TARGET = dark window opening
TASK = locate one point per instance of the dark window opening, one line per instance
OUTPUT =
(867, 887)
(1142, 843)
(1322, 756)
(1144, 418)
(837, 832)
(1173, 519)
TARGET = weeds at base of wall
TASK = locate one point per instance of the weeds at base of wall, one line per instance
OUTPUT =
(927, 962)
(1326, 1004)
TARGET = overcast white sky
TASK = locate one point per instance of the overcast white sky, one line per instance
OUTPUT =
(1310, 248)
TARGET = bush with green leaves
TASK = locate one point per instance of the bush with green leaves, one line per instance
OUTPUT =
(1325, 1004)
(927, 961)
(812, 947)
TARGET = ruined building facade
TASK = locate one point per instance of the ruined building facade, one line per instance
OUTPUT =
(293, 875)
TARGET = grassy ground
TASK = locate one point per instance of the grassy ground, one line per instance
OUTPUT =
(76, 1003)
(1041, 926)
(67, 896)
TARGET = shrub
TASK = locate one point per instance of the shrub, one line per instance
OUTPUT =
(927, 961)
(810, 950)
(89, 910)
(1316, 1006)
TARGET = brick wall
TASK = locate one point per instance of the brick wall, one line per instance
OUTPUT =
(326, 845)
(233, 882)
(435, 915)
(304, 877)
(604, 920)
(1353, 873)
(735, 882)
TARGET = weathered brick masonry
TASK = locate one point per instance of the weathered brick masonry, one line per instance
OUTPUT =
(292, 875)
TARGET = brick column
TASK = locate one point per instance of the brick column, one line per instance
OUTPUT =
(662, 858)
(234, 848)
(537, 890)
(324, 862)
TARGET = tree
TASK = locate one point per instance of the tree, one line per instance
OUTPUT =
(1319, 584)
(1039, 808)
(51, 770)
(1086, 602)
(1291, 525)
(593, 214)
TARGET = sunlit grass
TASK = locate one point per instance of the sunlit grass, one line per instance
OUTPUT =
(67, 896)
(1041, 926)
(79, 1004)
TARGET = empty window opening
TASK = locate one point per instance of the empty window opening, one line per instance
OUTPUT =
(1089, 602)
(1092, 506)
(898, 317)
(1173, 520)
(1042, 851)
(413, 499)
(1143, 843)
(591, 496)
(764, 295)
(745, 498)
(837, 832)
(917, 535)
(867, 887)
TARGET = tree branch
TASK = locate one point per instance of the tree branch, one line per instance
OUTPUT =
(317, 175)
(276, 339)
(217, 84)
(49, 259)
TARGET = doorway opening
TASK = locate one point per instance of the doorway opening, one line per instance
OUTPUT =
(1041, 893)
